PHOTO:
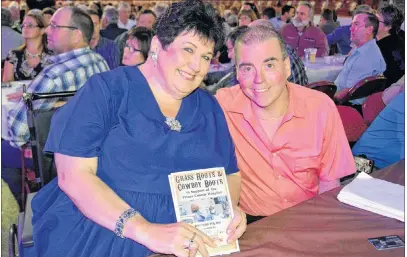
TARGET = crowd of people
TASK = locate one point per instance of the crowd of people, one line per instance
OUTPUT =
(145, 107)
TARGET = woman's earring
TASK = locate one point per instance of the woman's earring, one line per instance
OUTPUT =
(154, 56)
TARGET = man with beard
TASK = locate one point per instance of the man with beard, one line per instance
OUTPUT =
(302, 34)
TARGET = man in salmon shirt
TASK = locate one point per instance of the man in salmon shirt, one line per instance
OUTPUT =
(290, 142)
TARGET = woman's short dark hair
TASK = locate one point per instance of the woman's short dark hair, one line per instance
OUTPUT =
(81, 20)
(143, 36)
(190, 15)
(392, 16)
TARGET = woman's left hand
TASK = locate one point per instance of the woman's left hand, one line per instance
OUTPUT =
(237, 226)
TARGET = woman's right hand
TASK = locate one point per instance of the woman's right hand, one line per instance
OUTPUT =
(175, 239)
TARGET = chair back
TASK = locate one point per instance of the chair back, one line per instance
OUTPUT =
(352, 121)
(365, 87)
(39, 122)
(327, 87)
(372, 106)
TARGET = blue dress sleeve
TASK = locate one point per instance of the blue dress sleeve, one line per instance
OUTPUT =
(81, 125)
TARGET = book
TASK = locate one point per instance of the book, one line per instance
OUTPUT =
(201, 198)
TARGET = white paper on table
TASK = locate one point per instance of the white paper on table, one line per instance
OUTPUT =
(375, 195)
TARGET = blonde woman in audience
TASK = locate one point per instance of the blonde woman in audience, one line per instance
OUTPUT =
(25, 62)
(137, 46)
(246, 17)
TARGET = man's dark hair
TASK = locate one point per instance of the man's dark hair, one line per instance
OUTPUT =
(148, 11)
(235, 34)
(35, 4)
(334, 15)
(327, 15)
(81, 20)
(190, 16)
(143, 36)
(49, 11)
(270, 12)
(286, 8)
(371, 20)
(392, 16)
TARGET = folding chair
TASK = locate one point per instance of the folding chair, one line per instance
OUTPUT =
(39, 122)
(324, 86)
(364, 88)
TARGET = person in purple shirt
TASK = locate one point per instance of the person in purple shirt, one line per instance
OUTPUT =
(103, 46)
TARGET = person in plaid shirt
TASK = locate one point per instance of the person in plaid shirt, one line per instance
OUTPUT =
(69, 33)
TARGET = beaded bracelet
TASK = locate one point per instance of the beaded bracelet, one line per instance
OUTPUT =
(126, 215)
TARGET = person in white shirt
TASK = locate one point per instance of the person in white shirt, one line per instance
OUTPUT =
(124, 13)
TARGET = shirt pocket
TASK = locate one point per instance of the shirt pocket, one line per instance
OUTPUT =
(306, 170)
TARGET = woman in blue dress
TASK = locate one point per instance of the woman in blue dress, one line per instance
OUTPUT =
(124, 132)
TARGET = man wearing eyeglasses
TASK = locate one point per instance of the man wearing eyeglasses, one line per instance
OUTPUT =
(69, 34)
(365, 59)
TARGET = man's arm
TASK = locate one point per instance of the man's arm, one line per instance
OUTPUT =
(337, 159)
(17, 118)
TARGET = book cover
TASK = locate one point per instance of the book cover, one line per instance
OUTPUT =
(201, 198)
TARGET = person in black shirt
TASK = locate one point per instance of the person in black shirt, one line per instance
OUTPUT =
(390, 43)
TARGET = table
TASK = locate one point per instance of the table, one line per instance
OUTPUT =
(320, 70)
(323, 226)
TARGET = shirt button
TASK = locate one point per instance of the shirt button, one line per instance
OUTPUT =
(285, 200)
(280, 177)
(274, 154)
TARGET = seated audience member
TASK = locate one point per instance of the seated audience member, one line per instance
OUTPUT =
(117, 140)
(268, 13)
(326, 22)
(124, 21)
(47, 15)
(137, 46)
(69, 34)
(341, 35)
(103, 46)
(109, 21)
(391, 45)
(365, 59)
(301, 33)
(287, 13)
(251, 6)
(245, 17)
(146, 19)
(383, 141)
(14, 8)
(268, 117)
(10, 39)
(27, 61)
(228, 77)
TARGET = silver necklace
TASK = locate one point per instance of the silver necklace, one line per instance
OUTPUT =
(173, 124)
(32, 56)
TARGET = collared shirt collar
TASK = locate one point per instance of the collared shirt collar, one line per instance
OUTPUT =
(242, 104)
(366, 47)
(69, 55)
